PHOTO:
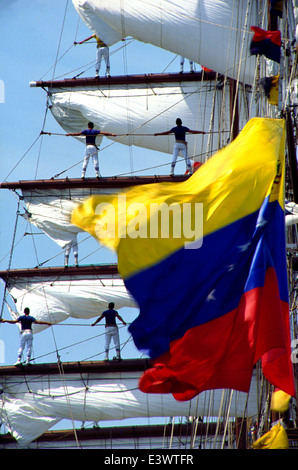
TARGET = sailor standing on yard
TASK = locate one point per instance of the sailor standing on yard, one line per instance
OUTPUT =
(180, 144)
(26, 338)
(182, 64)
(111, 330)
(91, 147)
(102, 52)
(73, 244)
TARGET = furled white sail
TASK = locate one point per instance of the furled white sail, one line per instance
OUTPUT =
(141, 110)
(57, 298)
(212, 33)
(291, 213)
(99, 27)
(31, 407)
(50, 210)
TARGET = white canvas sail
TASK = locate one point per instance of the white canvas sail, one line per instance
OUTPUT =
(212, 33)
(50, 210)
(31, 407)
(153, 107)
(56, 299)
(99, 27)
(291, 213)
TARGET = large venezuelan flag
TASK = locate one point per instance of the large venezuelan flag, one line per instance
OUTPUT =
(211, 309)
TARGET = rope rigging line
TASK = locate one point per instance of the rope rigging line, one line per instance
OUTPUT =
(83, 389)
(23, 156)
(61, 252)
(60, 38)
(128, 114)
(43, 124)
(133, 134)
(33, 143)
(19, 199)
(90, 64)
(63, 55)
(170, 63)
(240, 60)
(10, 259)
(33, 242)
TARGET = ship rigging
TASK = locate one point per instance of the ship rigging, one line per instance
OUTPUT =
(135, 106)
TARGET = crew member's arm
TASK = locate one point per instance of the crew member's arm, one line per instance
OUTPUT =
(36, 321)
(8, 321)
(43, 322)
(108, 133)
(74, 134)
(120, 318)
(84, 40)
(98, 320)
(163, 133)
(196, 132)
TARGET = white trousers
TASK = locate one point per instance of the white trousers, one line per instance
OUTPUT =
(91, 151)
(182, 64)
(180, 147)
(74, 246)
(112, 332)
(102, 53)
(26, 340)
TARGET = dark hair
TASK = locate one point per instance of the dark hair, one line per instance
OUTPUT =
(111, 305)
(178, 122)
(90, 124)
(26, 311)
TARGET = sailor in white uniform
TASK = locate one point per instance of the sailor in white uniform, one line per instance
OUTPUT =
(102, 52)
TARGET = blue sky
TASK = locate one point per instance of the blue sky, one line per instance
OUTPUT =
(33, 34)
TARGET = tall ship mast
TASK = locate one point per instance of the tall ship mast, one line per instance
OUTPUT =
(218, 98)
